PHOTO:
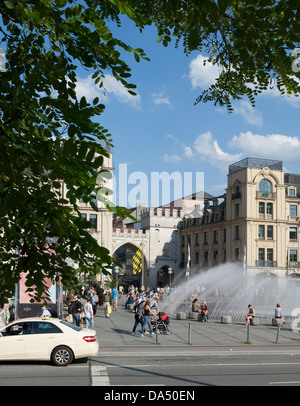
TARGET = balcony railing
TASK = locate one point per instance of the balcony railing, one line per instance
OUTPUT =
(294, 265)
(267, 263)
(265, 195)
(236, 195)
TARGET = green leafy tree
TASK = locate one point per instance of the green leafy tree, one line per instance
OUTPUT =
(48, 136)
(254, 43)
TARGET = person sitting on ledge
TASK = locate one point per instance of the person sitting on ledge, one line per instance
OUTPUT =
(204, 312)
(278, 314)
(195, 306)
(251, 314)
(130, 300)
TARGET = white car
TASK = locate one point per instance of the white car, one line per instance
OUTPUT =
(46, 340)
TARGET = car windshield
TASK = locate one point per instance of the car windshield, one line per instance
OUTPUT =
(70, 325)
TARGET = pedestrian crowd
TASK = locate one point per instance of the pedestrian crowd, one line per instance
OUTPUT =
(145, 304)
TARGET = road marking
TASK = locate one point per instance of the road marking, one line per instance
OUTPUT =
(284, 383)
(100, 376)
(208, 365)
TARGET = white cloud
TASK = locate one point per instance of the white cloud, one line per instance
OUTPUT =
(203, 75)
(111, 88)
(274, 146)
(188, 152)
(249, 113)
(86, 87)
(158, 98)
(208, 149)
(174, 159)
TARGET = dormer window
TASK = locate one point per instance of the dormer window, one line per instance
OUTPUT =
(292, 192)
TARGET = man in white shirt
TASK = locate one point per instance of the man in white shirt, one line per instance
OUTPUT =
(44, 311)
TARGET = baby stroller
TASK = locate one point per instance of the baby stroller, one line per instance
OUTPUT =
(162, 324)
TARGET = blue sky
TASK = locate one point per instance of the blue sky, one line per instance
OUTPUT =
(162, 130)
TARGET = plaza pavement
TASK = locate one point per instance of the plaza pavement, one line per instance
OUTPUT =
(191, 337)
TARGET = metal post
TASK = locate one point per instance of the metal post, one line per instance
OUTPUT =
(278, 330)
(156, 331)
(190, 335)
(248, 333)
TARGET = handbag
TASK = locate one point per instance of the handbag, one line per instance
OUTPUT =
(69, 318)
(82, 318)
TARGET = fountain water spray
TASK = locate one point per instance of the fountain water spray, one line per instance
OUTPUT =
(228, 290)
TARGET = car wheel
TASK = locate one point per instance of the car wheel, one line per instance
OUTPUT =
(62, 356)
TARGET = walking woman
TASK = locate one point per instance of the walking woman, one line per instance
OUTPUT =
(88, 314)
(147, 311)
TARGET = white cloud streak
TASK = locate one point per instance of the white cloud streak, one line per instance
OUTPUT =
(112, 88)
(247, 144)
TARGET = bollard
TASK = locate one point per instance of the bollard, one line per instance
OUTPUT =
(156, 331)
(278, 330)
(248, 334)
(190, 334)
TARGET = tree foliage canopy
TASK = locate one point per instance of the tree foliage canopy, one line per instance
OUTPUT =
(48, 136)
(254, 43)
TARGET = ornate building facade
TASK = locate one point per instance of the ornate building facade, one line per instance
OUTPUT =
(256, 222)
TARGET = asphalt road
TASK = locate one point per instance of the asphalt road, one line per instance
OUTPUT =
(176, 374)
(212, 370)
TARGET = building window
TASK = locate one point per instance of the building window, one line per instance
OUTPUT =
(293, 256)
(237, 232)
(93, 221)
(270, 208)
(189, 239)
(205, 237)
(261, 256)
(292, 192)
(216, 259)
(269, 256)
(270, 232)
(197, 239)
(237, 194)
(205, 261)
(237, 210)
(224, 235)
(197, 258)
(261, 208)
(215, 236)
(224, 256)
(261, 232)
(293, 210)
(182, 240)
(293, 233)
(265, 188)
(237, 254)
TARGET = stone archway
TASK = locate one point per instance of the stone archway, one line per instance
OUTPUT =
(124, 254)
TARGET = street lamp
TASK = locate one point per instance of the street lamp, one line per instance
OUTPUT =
(117, 270)
(170, 271)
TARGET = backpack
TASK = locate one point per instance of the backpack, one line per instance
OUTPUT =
(53, 312)
(71, 308)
